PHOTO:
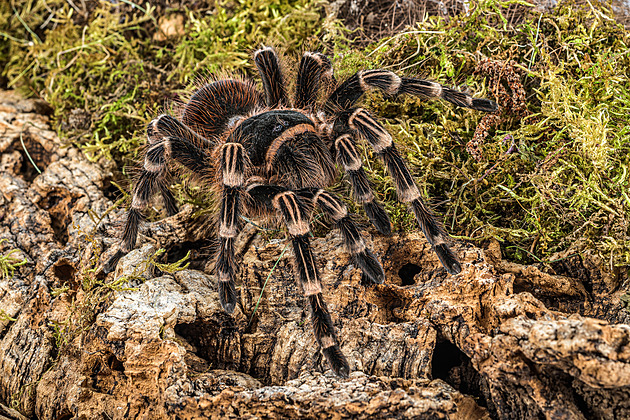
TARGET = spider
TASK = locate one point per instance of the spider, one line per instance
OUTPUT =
(273, 154)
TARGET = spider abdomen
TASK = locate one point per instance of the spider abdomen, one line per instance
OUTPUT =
(212, 106)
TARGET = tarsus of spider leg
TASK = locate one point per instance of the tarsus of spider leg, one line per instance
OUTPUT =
(326, 336)
(428, 89)
(146, 186)
(353, 240)
(435, 235)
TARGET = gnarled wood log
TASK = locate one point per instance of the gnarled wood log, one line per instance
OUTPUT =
(75, 343)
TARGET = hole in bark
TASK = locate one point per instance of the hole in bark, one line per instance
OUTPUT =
(407, 273)
(64, 271)
(59, 204)
(36, 151)
(452, 366)
(581, 403)
(574, 267)
(217, 342)
(65, 415)
(106, 372)
(584, 406)
(115, 364)
(446, 356)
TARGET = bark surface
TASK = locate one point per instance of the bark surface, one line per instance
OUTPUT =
(499, 340)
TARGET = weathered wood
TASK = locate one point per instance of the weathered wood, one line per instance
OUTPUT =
(158, 345)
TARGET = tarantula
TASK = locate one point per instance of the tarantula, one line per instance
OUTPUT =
(275, 154)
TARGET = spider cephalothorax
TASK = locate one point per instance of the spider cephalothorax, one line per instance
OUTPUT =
(271, 155)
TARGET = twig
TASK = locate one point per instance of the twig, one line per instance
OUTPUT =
(26, 151)
(265, 284)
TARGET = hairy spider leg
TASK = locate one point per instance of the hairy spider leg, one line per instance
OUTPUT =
(233, 162)
(155, 159)
(213, 106)
(268, 65)
(352, 238)
(406, 188)
(313, 67)
(183, 145)
(296, 215)
(328, 74)
(348, 158)
(350, 91)
(167, 136)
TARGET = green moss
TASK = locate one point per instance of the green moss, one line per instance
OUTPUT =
(168, 268)
(222, 41)
(4, 317)
(114, 70)
(9, 262)
(566, 187)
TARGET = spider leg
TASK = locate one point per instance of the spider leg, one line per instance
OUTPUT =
(268, 66)
(349, 92)
(353, 240)
(184, 145)
(328, 73)
(296, 214)
(154, 161)
(166, 135)
(233, 163)
(167, 197)
(349, 159)
(406, 188)
(313, 67)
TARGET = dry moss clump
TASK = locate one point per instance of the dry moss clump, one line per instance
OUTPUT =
(548, 173)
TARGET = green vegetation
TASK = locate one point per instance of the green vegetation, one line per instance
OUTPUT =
(111, 67)
(9, 262)
(568, 185)
(565, 187)
(5, 317)
(168, 268)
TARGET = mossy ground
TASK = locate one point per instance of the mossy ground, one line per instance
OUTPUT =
(563, 186)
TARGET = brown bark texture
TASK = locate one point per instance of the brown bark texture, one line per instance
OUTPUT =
(499, 340)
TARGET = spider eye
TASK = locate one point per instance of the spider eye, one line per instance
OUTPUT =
(279, 128)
